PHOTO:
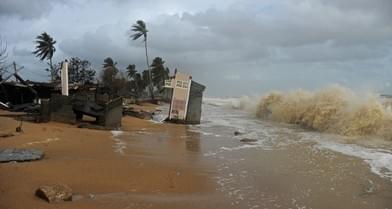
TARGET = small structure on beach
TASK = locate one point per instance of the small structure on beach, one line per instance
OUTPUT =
(70, 109)
(186, 100)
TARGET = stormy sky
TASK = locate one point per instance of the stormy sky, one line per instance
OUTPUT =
(234, 47)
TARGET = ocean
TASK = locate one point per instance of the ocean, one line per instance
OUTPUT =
(256, 158)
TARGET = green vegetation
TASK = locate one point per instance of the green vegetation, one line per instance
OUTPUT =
(127, 82)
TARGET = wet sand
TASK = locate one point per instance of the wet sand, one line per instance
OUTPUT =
(86, 161)
(153, 165)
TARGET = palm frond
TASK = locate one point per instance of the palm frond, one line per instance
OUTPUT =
(45, 46)
(136, 36)
(141, 23)
(140, 30)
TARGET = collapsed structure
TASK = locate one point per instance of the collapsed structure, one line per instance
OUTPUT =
(60, 101)
(186, 99)
(64, 102)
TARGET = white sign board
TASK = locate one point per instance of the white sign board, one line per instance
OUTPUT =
(181, 88)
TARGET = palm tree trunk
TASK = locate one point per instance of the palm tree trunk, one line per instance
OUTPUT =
(137, 91)
(149, 71)
(51, 69)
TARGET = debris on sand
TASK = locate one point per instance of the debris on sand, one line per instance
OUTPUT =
(6, 135)
(141, 114)
(54, 193)
(20, 155)
(247, 140)
(236, 133)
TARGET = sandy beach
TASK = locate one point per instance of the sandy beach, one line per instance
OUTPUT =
(86, 161)
(161, 165)
(196, 104)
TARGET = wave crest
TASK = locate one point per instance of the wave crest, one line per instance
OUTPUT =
(335, 109)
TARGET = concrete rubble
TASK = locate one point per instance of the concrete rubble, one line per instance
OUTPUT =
(141, 114)
(54, 193)
(20, 155)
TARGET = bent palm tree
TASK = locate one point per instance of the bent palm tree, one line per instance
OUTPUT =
(140, 30)
(45, 50)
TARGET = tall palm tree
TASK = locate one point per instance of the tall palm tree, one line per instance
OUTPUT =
(45, 50)
(140, 30)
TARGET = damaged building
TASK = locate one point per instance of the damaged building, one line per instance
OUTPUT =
(186, 99)
(60, 101)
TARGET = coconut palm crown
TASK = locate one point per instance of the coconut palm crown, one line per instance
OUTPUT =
(45, 50)
(140, 30)
(45, 46)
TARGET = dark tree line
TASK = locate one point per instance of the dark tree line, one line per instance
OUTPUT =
(79, 71)
(136, 83)
(111, 77)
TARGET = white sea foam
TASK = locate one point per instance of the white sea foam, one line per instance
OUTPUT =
(379, 160)
(160, 115)
(242, 103)
(44, 141)
(270, 136)
(119, 145)
(116, 133)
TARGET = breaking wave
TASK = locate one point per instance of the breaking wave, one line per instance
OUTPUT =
(335, 110)
(242, 103)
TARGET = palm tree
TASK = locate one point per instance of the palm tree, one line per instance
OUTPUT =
(109, 63)
(131, 71)
(140, 30)
(158, 72)
(45, 50)
(109, 72)
(132, 74)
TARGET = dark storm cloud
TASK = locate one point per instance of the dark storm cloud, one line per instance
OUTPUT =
(379, 7)
(256, 44)
(294, 25)
(26, 9)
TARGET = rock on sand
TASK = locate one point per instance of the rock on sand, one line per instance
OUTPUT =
(54, 193)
